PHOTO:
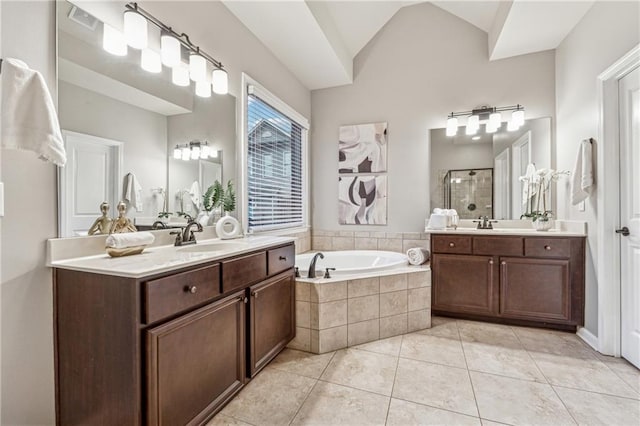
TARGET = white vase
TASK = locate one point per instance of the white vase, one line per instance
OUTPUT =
(542, 225)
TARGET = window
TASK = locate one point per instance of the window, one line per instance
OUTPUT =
(276, 145)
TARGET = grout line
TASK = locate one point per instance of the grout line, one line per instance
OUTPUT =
(464, 355)
(597, 393)
(393, 385)
(354, 388)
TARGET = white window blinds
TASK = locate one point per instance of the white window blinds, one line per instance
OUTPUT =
(274, 166)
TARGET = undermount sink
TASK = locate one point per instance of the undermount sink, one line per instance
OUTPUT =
(218, 246)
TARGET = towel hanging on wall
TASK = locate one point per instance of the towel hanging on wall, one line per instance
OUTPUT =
(29, 118)
(132, 192)
(582, 177)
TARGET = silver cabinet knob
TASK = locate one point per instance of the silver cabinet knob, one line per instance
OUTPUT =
(192, 289)
(547, 248)
(452, 244)
(491, 262)
(503, 263)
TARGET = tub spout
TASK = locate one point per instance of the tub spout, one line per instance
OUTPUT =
(312, 265)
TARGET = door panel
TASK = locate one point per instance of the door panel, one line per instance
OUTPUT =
(629, 98)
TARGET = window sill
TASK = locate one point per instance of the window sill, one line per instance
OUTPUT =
(284, 231)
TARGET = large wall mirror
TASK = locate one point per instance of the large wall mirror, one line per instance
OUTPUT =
(119, 119)
(478, 175)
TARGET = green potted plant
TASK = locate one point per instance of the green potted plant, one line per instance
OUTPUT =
(212, 200)
(229, 199)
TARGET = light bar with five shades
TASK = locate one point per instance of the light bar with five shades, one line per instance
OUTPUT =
(136, 35)
(491, 116)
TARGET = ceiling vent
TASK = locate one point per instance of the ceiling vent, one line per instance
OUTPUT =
(83, 18)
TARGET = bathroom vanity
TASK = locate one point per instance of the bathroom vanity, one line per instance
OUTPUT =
(509, 276)
(169, 336)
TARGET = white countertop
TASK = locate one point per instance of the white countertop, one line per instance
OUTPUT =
(166, 258)
(562, 228)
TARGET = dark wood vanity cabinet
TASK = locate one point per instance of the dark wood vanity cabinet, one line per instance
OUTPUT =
(170, 349)
(527, 280)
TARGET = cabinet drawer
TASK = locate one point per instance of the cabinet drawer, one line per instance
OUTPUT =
(244, 271)
(498, 246)
(280, 259)
(547, 247)
(169, 295)
(459, 244)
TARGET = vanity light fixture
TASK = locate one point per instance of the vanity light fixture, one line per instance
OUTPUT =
(136, 35)
(194, 150)
(491, 117)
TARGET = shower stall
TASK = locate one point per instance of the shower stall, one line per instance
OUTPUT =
(469, 192)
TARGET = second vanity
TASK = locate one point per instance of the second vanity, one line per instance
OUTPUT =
(171, 335)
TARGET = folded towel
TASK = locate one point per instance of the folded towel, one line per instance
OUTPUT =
(582, 176)
(29, 118)
(195, 194)
(130, 239)
(132, 192)
(418, 256)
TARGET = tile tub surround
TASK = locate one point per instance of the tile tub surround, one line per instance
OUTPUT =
(337, 313)
(357, 240)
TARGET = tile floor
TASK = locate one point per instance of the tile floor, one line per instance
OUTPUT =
(456, 373)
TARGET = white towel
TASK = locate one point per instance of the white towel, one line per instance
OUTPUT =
(582, 176)
(29, 118)
(417, 256)
(195, 194)
(132, 192)
(130, 239)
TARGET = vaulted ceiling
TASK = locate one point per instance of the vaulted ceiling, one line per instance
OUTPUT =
(318, 40)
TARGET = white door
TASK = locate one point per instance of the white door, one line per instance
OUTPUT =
(90, 177)
(629, 99)
(520, 159)
(502, 187)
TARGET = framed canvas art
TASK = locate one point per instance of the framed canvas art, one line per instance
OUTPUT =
(362, 148)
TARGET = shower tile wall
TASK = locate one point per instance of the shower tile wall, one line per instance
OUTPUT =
(474, 190)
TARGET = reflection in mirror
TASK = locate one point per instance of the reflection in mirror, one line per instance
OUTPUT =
(107, 101)
(505, 153)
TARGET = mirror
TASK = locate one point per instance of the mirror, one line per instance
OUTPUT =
(119, 119)
(478, 175)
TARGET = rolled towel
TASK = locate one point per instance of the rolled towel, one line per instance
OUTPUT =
(130, 239)
(418, 256)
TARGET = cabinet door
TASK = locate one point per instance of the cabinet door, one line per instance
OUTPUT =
(463, 284)
(535, 289)
(196, 362)
(272, 319)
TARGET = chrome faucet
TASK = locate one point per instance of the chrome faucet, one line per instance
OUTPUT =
(485, 223)
(186, 237)
(158, 224)
(312, 265)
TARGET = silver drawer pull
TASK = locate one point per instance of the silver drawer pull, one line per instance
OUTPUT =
(547, 248)
(192, 289)
(491, 262)
(255, 294)
(452, 244)
(503, 263)
(284, 258)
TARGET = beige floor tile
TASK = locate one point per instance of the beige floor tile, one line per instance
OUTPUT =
(486, 422)
(596, 409)
(222, 420)
(504, 361)
(620, 365)
(435, 385)
(330, 404)
(435, 349)
(390, 346)
(514, 401)
(633, 380)
(303, 363)
(487, 333)
(553, 342)
(584, 374)
(442, 327)
(364, 370)
(272, 398)
(404, 413)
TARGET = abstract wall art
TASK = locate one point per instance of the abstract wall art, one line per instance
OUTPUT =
(362, 148)
(362, 200)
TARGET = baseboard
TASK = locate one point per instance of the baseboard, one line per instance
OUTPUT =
(588, 337)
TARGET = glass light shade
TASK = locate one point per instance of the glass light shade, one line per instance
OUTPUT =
(195, 152)
(512, 126)
(213, 153)
(197, 67)
(203, 88)
(220, 81)
(169, 50)
(204, 152)
(177, 153)
(495, 120)
(517, 117)
(113, 41)
(135, 29)
(150, 61)
(473, 124)
(180, 75)
(186, 153)
(470, 130)
(452, 126)
(490, 128)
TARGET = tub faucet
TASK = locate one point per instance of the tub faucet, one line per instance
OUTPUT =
(312, 265)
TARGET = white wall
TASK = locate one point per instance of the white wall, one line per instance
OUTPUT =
(607, 31)
(28, 33)
(422, 65)
(143, 132)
